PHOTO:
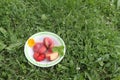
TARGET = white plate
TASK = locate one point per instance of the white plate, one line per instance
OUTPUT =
(38, 37)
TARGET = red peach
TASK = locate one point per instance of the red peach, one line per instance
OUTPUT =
(36, 47)
(35, 55)
(52, 56)
(39, 47)
(41, 57)
(42, 49)
(49, 51)
(48, 42)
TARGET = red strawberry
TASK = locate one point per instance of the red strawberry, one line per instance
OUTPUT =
(48, 42)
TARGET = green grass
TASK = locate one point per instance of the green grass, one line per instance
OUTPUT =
(90, 29)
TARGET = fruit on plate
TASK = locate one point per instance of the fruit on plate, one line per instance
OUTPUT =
(39, 47)
(35, 55)
(52, 56)
(48, 42)
(31, 42)
(49, 51)
(42, 49)
(46, 50)
(39, 57)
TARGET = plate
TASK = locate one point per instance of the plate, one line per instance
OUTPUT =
(38, 37)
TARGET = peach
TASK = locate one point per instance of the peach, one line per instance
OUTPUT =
(36, 47)
(48, 42)
(49, 51)
(35, 55)
(52, 56)
(42, 49)
(39, 47)
(39, 57)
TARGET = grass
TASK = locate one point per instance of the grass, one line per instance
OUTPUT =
(90, 29)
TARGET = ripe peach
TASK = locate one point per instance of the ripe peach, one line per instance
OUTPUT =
(39, 57)
(35, 55)
(49, 51)
(42, 49)
(36, 47)
(39, 47)
(52, 56)
(48, 42)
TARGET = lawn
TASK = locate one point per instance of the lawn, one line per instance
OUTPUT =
(90, 29)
